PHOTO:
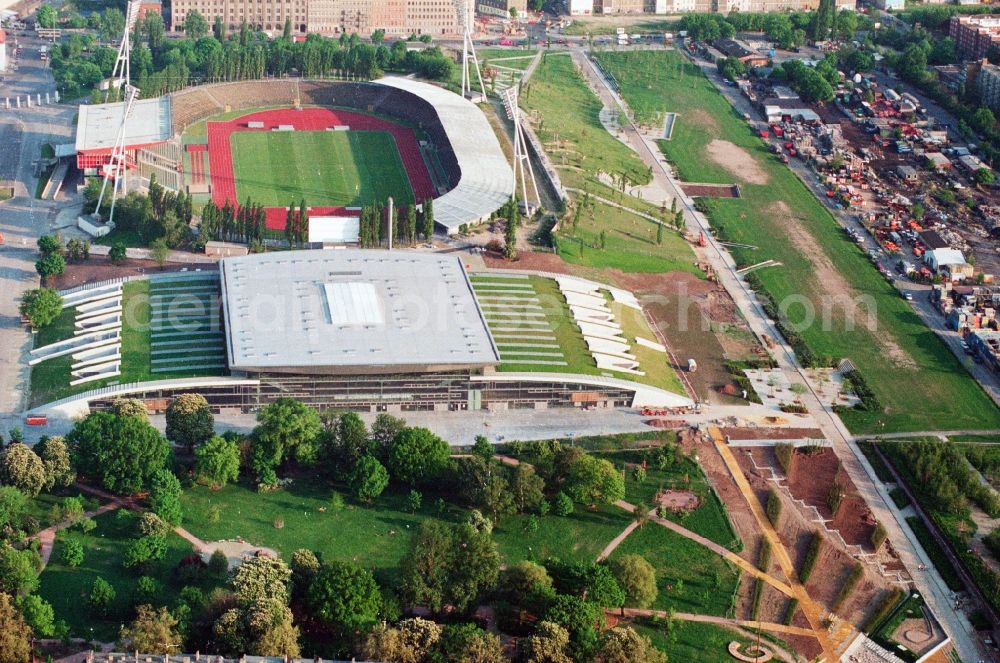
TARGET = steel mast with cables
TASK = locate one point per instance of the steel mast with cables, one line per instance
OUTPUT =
(523, 170)
(466, 15)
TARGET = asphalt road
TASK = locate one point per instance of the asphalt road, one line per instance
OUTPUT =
(23, 219)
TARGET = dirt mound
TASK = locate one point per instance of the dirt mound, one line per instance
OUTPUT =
(542, 262)
(678, 500)
(737, 161)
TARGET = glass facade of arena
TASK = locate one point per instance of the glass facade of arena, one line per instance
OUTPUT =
(447, 391)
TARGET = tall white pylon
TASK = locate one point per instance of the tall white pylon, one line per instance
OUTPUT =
(523, 171)
(114, 171)
(122, 72)
(466, 15)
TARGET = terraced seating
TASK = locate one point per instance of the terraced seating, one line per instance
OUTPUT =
(185, 324)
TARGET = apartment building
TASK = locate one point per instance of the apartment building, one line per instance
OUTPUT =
(974, 35)
(988, 82)
(397, 17)
(501, 8)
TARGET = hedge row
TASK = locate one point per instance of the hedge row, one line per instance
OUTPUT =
(773, 507)
(785, 453)
(885, 607)
(802, 351)
(810, 559)
(852, 580)
(869, 402)
(793, 605)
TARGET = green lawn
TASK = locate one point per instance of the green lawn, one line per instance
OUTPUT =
(562, 326)
(326, 168)
(375, 535)
(50, 379)
(920, 383)
(692, 641)
(578, 537)
(66, 588)
(709, 519)
(690, 577)
(566, 117)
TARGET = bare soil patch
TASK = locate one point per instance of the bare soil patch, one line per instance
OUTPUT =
(99, 268)
(533, 260)
(737, 161)
(693, 315)
(711, 190)
(795, 530)
(678, 500)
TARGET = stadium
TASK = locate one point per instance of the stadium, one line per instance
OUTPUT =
(361, 329)
(335, 145)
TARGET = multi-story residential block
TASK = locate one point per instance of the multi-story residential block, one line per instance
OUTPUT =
(974, 35)
(501, 8)
(396, 17)
(988, 82)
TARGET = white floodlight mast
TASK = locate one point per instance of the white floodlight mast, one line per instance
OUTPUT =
(523, 169)
(117, 166)
(466, 13)
(122, 72)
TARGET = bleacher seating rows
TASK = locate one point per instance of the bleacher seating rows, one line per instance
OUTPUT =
(198, 103)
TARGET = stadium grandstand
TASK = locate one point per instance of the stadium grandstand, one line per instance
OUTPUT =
(451, 141)
(360, 329)
(148, 134)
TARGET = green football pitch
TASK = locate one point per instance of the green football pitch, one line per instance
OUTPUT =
(325, 168)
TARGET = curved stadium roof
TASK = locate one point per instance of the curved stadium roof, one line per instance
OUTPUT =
(486, 181)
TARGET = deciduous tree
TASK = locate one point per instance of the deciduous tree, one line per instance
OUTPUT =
(345, 597)
(623, 645)
(152, 630)
(165, 496)
(217, 462)
(637, 578)
(40, 306)
(189, 420)
(122, 453)
(417, 455)
(22, 468)
(368, 479)
(15, 634)
(58, 466)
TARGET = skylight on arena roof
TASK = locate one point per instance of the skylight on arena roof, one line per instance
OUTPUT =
(353, 304)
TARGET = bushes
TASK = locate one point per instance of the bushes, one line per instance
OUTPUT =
(763, 562)
(793, 605)
(809, 561)
(992, 541)
(899, 497)
(835, 497)
(786, 455)
(869, 402)
(885, 607)
(806, 356)
(845, 590)
(773, 507)
(878, 536)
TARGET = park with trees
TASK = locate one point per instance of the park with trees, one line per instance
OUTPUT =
(389, 543)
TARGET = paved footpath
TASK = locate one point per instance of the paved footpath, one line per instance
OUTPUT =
(929, 583)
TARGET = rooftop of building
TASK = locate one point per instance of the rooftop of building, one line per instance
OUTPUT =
(486, 180)
(352, 308)
(97, 125)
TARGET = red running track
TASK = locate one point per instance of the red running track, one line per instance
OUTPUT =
(220, 156)
(197, 154)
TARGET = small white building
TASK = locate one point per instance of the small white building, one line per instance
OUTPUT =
(581, 7)
(938, 258)
(3, 50)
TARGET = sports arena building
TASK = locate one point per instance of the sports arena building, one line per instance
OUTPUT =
(361, 329)
(455, 145)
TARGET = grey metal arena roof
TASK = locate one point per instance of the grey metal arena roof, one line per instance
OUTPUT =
(487, 181)
(355, 308)
(97, 125)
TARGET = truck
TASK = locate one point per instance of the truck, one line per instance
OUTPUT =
(43, 53)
